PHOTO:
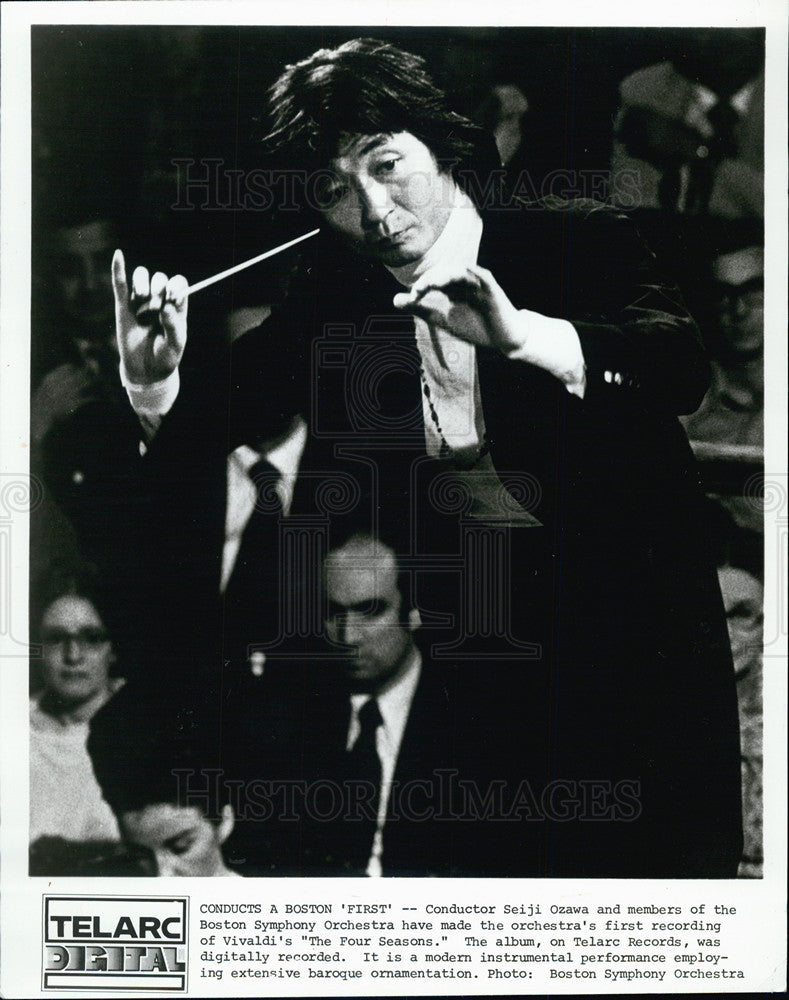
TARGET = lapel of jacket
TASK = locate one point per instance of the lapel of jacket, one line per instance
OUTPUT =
(522, 405)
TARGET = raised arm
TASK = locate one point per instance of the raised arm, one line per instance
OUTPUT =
(150, 324)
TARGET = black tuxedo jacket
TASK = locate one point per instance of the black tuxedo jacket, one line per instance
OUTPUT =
(633, 644)
(628, 611)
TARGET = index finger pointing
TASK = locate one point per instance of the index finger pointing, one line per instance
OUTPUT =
(120, 288)
(119, 283)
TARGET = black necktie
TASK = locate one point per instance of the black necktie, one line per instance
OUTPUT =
(363, 789)
(722, 144)
(723, 119)
(252, 594)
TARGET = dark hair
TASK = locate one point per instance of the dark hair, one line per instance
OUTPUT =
(363, 87)
(388, 533)
(146, 753)
(422, 538)
(67, 579)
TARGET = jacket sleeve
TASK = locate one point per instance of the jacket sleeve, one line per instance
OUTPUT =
(640, 345)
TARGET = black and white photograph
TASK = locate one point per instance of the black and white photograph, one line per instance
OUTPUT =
(397, 490)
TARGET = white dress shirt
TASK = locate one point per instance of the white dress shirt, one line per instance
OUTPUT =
(451, 376)
(449, 365)
(394, 703)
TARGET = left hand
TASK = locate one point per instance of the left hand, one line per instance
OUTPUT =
(467, 301)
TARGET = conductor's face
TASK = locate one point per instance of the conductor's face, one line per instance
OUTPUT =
(366, 612)
(387, 198)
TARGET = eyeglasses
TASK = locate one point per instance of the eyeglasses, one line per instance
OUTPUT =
(86, 638)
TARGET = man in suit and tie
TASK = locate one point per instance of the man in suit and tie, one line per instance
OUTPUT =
(544, 366)
(397, 765)
(210, 512)
(224, 509)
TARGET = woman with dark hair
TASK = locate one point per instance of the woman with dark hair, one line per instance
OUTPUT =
(69, 820)
(161, 770)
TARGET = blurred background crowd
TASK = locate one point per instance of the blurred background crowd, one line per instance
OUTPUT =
(146, 139)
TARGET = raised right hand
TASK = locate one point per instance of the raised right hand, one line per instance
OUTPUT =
(150, 321)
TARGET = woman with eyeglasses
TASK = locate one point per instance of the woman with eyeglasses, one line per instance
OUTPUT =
(70, 823)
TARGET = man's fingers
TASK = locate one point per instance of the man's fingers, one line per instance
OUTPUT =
(409, 300)
(176, 290)
(485, 279)
(417, 308)
(158, 284)
(174, 306)
(443, 278)
(456, 289)
(120, 289)
(141, 285)
(119, 285)
(151, 321)
(428, 315)
(147, 295)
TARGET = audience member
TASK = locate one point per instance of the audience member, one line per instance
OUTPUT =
(398, 758)
(729, 424)
(79, 416)
(70, 822)
(743, 598)
(502, 114)
(74, 307)
(690, 131)
(732, 412)
(159, 770)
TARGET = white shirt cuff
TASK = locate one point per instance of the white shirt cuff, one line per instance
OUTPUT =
(552, 344)
(155, 399)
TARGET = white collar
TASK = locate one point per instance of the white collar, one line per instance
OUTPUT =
(459, 240)
(740, 101)
(285, 456)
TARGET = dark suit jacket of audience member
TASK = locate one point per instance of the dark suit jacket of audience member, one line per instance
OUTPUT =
(461, 801)
(180, 498)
